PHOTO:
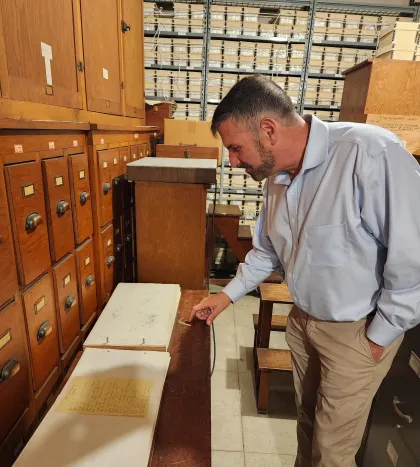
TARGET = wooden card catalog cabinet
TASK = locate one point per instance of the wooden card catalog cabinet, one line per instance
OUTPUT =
(87, 281)
(108, 259)
(39, 52)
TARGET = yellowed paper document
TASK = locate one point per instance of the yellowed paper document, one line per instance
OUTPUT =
(90, 395)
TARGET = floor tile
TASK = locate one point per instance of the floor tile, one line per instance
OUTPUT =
(227, 459)
(249, 305)
(268, 460)
(226, 351)
(226, 412)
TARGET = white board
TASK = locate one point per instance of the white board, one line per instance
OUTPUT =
(137, 316)
(71, 439)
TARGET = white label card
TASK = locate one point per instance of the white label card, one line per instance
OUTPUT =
(115, 161)
(18, 148)
(28, 190)
(59, 180)
(105, 73)
(81, 174)
(136, 135)
(102, 141)
(46, 52)
(87, 261)
(414, 363)
(392, 453)
(51, 145)
(67, 279)
(105, 165)
(40, 304)
(109, 242)
(75, 143)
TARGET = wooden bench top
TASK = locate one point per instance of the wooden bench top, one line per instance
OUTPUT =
(225, 210)
(276, 293)
(275, 277)
(274, 359)
(278, 322)
(244, 232)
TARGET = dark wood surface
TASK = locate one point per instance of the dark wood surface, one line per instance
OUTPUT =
(105, 176)
(225, 210)
(57, 187)
(183, 431)
(79, 180)
(87, 293)
(44, 353)
(9, 123)
(65, 286)
(134, 129)
(108, 249)
(186, 151)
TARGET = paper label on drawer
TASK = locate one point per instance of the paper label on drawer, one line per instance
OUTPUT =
(125, 158)
(105, 165)
(117, 231)
(28, 190)
(75, 143)
(105, 73)
(46, 52)
(109, 242)
(39, 305)
(136, 136)
(51, 144)
(102, 141)
(5, 338)
(115, 161)
(67, 280)
(18, 148)
(81, 174)
(392, 453)
(414, 363)
(59, 180)
(87, 261)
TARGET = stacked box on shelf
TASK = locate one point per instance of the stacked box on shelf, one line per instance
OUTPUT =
(216, 54)
(320, 26)
(180, 52)
(352, 27)
(250, 23)
(181, 17)
(369, 28)
(399, 42)
(230, 54)
(218, 19)
(150, 83)
(197, 19)
(234, 20)
(263, 56)
(149, 16)
(246, 56)
(292, 88)
(196, 53)
(285, 22)
(335, 27)
(149, 51)
(296, 57)
(300, 26)
(280, 59)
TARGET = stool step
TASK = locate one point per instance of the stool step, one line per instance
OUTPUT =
(275, 277)
(225, 210)
(276, 293)
(244, 232)
(278, 322)
(274, 359)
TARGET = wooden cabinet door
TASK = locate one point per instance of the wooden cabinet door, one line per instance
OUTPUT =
(81, 197)
(60, 217)
(39, 63)
(87, 283)
(8, 279)
(26, 198)
(14, 367)
(102, 57)
(133, 47)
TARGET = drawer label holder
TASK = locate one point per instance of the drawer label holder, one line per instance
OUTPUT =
(28, 190)
(5, 338)
(39, 305)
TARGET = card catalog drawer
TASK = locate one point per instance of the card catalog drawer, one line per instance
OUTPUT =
(105, 186)
(108, 259)
(87, 283)
(124, 158)
(118, 251)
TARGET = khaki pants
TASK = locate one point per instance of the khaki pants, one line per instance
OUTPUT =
(335, 379)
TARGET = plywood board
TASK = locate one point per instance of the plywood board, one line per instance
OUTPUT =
(137, 316)
(65, 439)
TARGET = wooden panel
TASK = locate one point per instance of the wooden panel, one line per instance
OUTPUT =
(134, 152)
(171, 223)
(225, 210)
(100, 46)
(105, 186)
(59, 208)
(186, 152)
(189, 373)
(276, 293)
(81, 197)
(155, 115)
(42, 328)
(8, 278)
(14, 391)
(278, 322)
(31, 244)
(124, 158)
(116, 163)
(87, 283)
(274, 359)
(66, 299)
(118, 251)
(40, 53)
(107, 237)
(133, 46)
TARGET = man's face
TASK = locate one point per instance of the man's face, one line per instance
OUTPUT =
(247, 151)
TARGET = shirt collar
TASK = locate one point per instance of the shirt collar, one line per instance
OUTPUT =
(316, 150)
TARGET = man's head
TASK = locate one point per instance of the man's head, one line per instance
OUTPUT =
(257, 121)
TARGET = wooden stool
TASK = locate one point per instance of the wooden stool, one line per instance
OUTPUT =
(265, 359)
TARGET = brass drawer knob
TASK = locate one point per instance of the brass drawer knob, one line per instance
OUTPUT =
(107, 188)
(84, 197)
(71, 300)
(90, 279)
(118, 248)
(44, 330)
(62, 207)
(33, 221)
(110, 261)
(187, 154)
(116, 181)
(128, 238)
(9, 370)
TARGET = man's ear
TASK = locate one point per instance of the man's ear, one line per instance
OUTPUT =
(268, 128)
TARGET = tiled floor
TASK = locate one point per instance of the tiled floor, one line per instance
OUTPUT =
(240, 436)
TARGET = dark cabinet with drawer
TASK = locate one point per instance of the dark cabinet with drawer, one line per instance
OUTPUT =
(107, 238)
(87, 281)
(29, 222)
(105, 186)
(118, 251)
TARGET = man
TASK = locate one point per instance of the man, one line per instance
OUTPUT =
(340, 213)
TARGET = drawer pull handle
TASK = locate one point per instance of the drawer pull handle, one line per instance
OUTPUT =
(116, 181)
(90, 279)
(118, 248)
(395, 403)
(84, 197)
(107, 188)
(128, 238)
(187, 153)
(62, 207)
(44, 330)
(9, 370)
(33, 221)
(70, 302)
(110, 261)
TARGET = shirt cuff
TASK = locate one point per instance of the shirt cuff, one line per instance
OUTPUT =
(381, 332)
(235, 290)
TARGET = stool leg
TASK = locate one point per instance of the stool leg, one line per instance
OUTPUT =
(264, 324)
(263, 391)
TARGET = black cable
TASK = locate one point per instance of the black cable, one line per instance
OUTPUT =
(214, 349)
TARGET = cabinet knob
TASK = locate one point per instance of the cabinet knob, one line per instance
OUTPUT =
(9, 370)
(44, 330)
(128, 238)
(90, 279)
(84, 197)
(71, 300)
(32, 222)
(118, 248)
(125, 27)
(107, 187)
(62, 207)
(110, 261)
(116, 181)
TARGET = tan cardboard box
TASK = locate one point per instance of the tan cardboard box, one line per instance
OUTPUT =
(403, 35)
(199, 133)
(246, 62)
(217, 26)
(234, 13)
(181, 10)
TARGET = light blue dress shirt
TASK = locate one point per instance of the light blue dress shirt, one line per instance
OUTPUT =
(346, 230)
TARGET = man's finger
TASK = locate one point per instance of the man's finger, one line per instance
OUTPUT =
(213, 316)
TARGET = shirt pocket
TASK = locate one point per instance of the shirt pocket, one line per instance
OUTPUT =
(327, 246)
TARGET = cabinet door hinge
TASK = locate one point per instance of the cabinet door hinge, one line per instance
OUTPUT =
(80, 66)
